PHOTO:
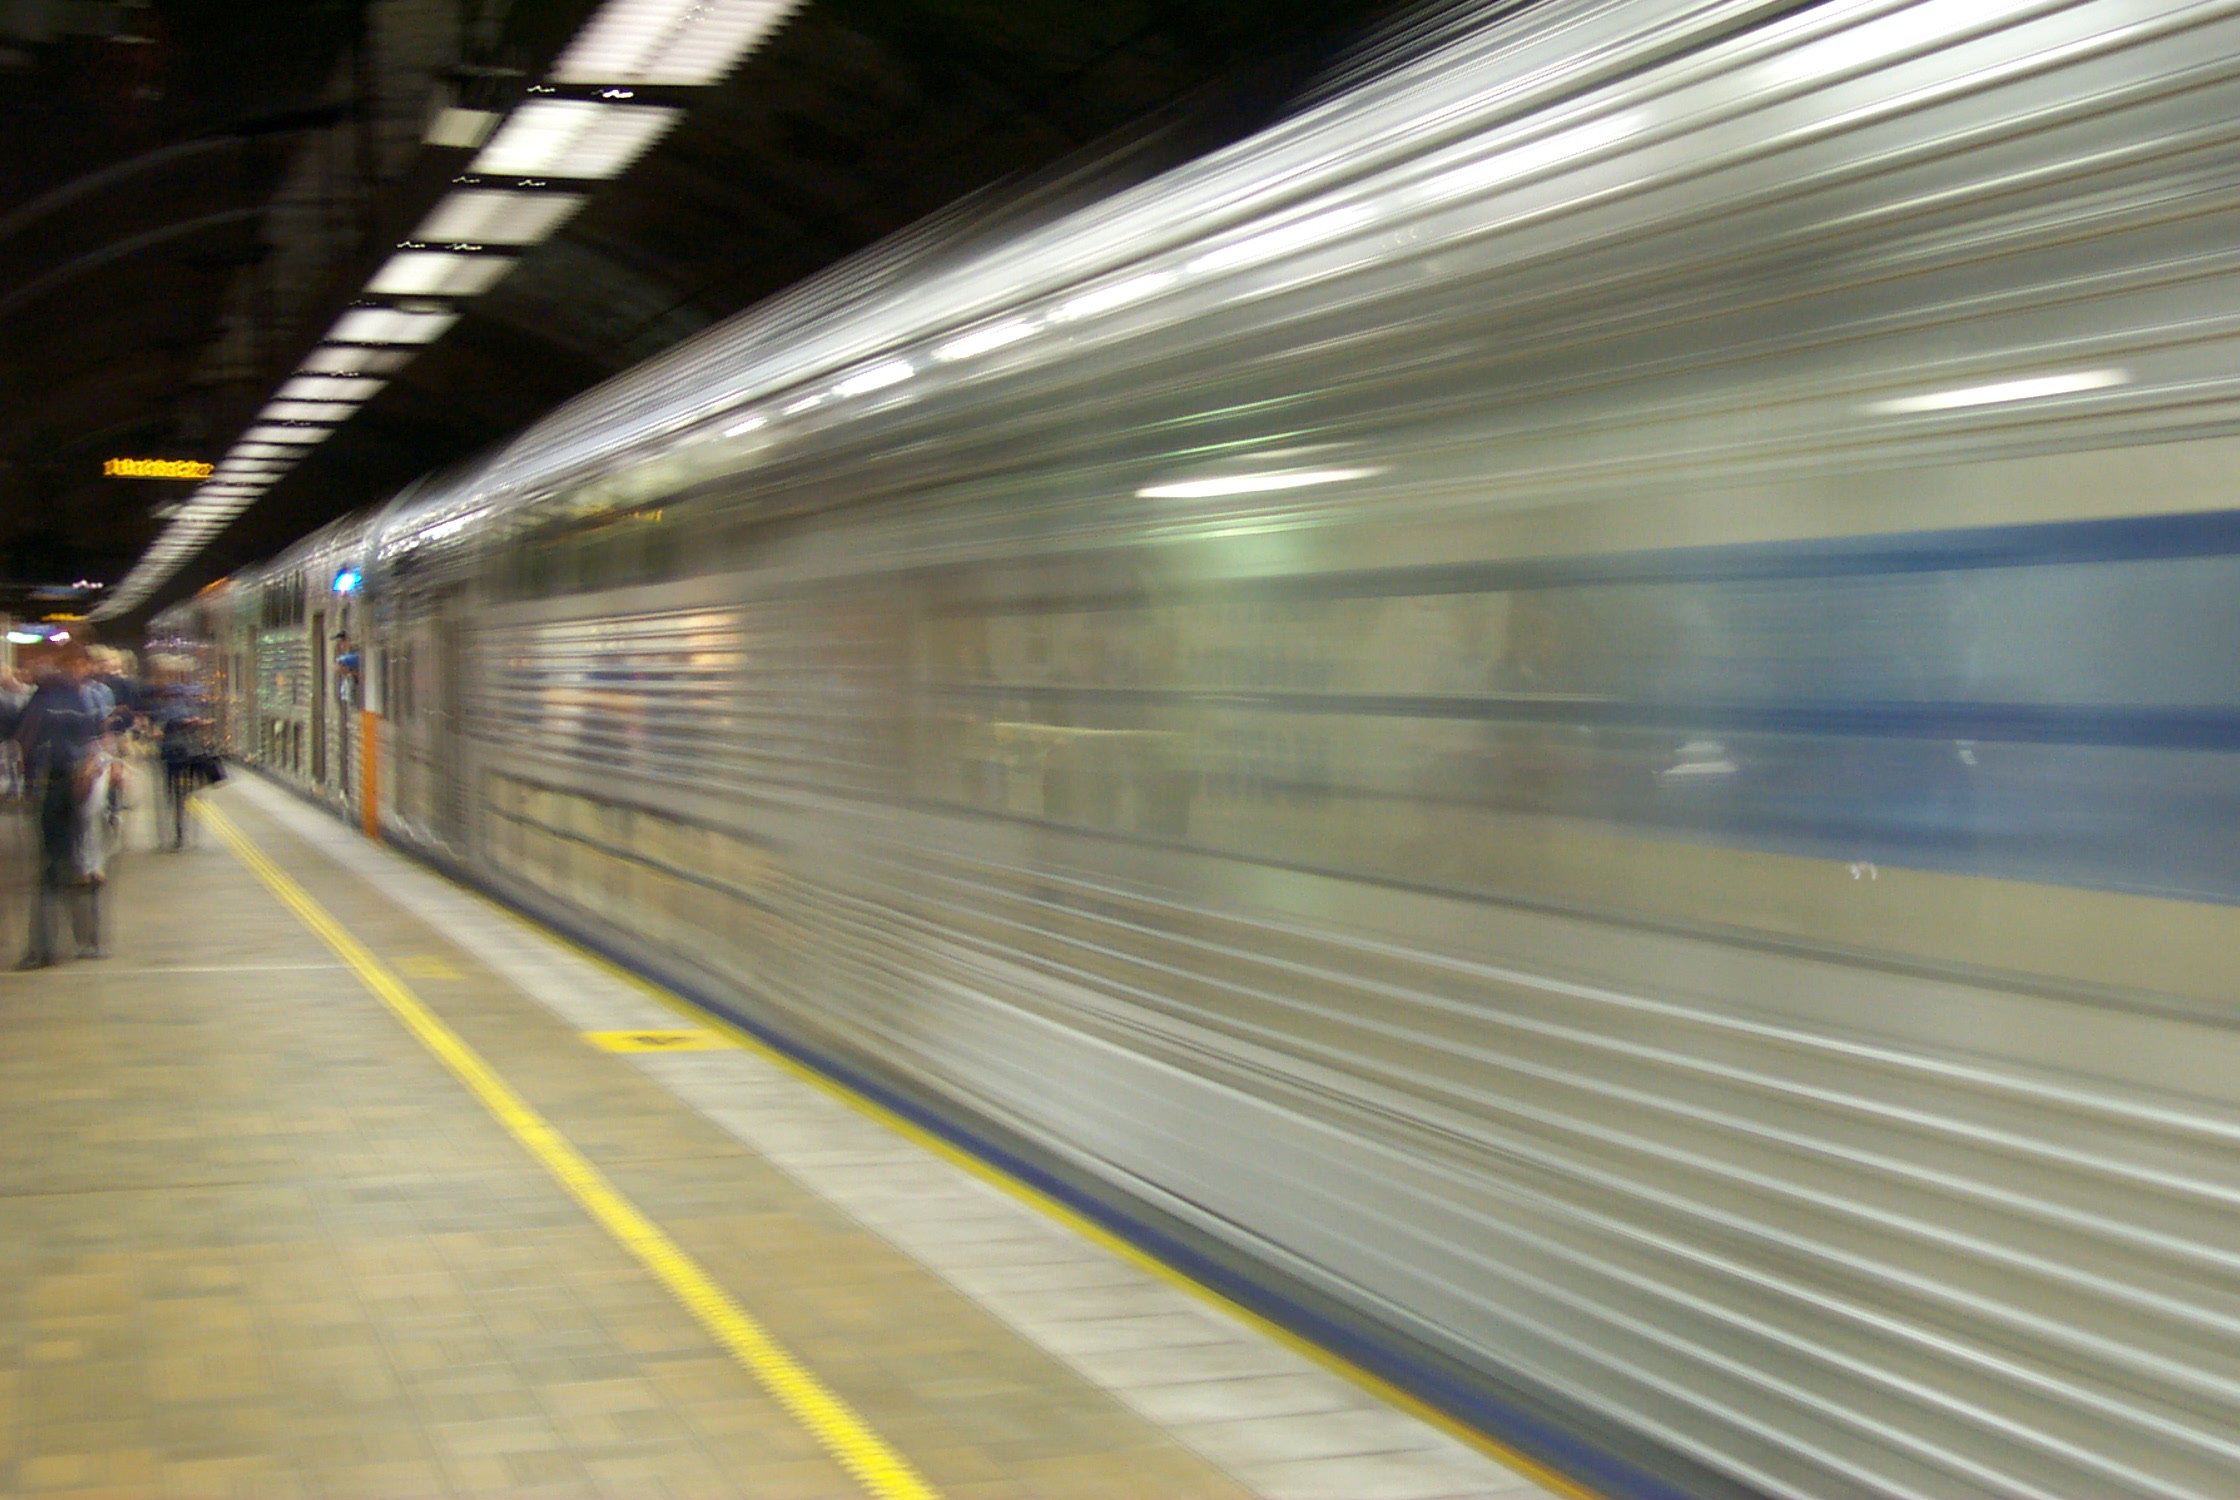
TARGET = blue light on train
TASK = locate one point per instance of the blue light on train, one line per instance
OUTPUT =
(347, 581)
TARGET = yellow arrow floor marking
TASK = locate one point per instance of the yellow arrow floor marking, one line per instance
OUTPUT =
(883, 1473)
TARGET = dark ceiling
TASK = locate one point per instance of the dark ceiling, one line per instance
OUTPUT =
(190, 189)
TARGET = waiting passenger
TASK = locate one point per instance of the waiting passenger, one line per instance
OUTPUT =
(15, 693)
(59, 736)
(188, 763)
(114, 673)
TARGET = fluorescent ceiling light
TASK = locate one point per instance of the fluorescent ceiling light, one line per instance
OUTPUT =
(389, 325)
(329, 388)
(877, 378)
(573, 138)
(1118, 294)
(275, 434)
(264, 450)
(2032, 389)
(309, 411)
(684, 42)
(981, 340)
(1269, 244)
(439, 273)
(749, 425)
(1252, 484)
(493, 216)
(346, 359)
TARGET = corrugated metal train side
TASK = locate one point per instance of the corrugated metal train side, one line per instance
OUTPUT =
(1594, 756)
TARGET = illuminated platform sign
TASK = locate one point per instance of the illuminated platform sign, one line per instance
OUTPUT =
(157, 468)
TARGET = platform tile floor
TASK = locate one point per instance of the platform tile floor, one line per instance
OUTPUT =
(254, 1241)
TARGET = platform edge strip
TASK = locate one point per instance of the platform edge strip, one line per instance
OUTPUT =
(837, 1085)
(882, 1471)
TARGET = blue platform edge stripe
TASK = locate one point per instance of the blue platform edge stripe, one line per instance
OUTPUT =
(1558, 1448)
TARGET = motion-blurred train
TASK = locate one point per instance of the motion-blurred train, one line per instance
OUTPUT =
(1573, 721)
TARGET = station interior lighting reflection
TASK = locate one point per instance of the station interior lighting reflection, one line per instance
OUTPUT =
(1252, 484)
(1997, 393)
(540, 152)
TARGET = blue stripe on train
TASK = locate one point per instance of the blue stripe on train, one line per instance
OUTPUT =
(2040, 544)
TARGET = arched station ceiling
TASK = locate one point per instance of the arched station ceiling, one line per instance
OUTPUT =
(190, 190)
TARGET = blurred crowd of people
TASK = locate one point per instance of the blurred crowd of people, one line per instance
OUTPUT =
(75, 732)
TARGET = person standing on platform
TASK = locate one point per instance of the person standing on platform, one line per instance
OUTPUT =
(14, 694)
(187, 762)
(59, 736)
(113, 674)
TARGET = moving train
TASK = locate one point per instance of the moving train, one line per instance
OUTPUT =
(1572, 721)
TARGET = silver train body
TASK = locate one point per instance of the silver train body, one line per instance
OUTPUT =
(1577, 718)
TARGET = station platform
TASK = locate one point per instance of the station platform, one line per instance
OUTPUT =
(336, 1179)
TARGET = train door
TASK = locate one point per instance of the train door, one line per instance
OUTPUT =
(447, 720)
(318, 672)
(348, 699)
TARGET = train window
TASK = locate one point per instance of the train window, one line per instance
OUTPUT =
(660, 558)
(596, 561)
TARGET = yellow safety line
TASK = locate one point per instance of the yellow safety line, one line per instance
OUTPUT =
(1033, 1197)
(883, 1472)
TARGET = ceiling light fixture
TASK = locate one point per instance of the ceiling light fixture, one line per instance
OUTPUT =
(573, 138)
(309, 411)
(390, 325)
(329, 388)
(347, 359)
(439, 273)
(680, 42)
(496, 216)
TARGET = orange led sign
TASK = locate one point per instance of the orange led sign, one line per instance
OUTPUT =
(157, 468)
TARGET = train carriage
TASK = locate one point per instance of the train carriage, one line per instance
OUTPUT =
(1574, 721)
